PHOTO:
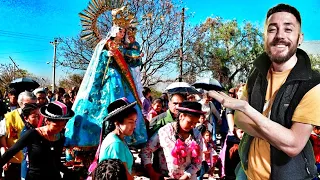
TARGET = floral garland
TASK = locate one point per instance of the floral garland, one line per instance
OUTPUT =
(180, 152)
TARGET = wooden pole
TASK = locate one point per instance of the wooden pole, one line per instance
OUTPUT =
(181, 45)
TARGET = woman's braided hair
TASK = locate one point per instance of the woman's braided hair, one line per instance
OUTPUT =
(110, 169)
(178, 127)
(178, 151)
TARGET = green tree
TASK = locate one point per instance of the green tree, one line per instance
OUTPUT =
(8, 73)
(223, 48)
(315, 62)
(71, 80)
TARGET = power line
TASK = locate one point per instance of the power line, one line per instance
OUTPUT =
(34, 44)
(21, 37)
(25, 35)
(27, 60)
(26, 51)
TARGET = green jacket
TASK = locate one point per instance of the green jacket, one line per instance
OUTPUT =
(159, 121)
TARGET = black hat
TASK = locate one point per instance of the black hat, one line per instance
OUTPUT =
(190, 107)
(56, 111)
(118, 106)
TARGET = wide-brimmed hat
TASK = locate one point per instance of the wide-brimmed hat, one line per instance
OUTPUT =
(56, 111)
(190, 107)
(39, 90)
(118, 106)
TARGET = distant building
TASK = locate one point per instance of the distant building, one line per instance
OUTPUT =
(311, 47)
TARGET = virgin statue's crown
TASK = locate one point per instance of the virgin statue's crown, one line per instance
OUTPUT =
(122, 17)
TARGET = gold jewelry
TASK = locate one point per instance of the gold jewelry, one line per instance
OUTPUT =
(89, 18)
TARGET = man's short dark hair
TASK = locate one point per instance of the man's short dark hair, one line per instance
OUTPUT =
(61, 90)
(13, 91)
(284, 8)
(110, 169)
(66, 95)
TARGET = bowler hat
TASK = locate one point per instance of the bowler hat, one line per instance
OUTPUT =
(118, 106)
(56, 111)
(190, 107)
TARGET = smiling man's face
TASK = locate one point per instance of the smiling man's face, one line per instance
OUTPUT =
(282, 36)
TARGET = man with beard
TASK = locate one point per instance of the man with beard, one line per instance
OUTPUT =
(279, 106)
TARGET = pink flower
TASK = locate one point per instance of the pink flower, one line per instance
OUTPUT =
(179, 152)
(195, 151)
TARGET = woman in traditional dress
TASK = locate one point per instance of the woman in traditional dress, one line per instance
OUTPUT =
(45, 145)
(181, 143)
(120, 123)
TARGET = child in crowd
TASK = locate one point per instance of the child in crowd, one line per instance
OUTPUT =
(209, 156)
(207, 125)
(212, 114)
(191, 97)
(202, 121)
(110, 169)
(156, 109)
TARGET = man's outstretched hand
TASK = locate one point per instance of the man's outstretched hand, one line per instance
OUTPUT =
(228, 101)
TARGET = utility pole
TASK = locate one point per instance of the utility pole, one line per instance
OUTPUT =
(181, 45)
(54, 43)
(14, 67)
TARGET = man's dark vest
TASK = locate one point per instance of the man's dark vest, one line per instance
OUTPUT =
(300, 80)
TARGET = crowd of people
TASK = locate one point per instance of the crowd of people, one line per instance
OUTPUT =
(157, 112)
(32, 135)
(265, 124)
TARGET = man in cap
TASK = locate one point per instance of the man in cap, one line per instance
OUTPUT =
(41, 95)
(42, 100)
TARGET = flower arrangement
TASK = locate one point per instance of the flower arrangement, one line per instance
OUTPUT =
(180, 151)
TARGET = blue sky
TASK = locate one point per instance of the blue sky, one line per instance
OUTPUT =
(27, 26)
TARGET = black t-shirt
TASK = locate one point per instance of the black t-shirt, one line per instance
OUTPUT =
(44, 156)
